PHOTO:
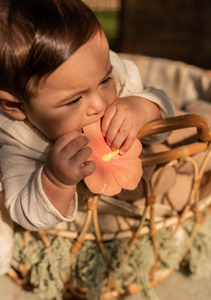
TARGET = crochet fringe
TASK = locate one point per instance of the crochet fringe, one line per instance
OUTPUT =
(89, 267)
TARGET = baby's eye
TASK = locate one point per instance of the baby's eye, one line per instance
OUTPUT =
(74, 101)
(106, 80)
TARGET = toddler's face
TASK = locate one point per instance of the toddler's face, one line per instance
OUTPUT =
(77, 93)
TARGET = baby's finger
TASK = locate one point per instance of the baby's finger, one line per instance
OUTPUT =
(121, 135)
(106, 120)
(80, 158)
(119, 140)
(115, 128)
(65, 139)
(128, 142)
(87, 169)
(74, 146)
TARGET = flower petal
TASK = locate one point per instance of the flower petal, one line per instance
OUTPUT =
(123, 171)
(98, 149)
(96, 140)
(95, 131)
(102, 180)
(133, 152)
(127, 173)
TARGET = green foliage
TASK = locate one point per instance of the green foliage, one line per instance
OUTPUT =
(111, 23)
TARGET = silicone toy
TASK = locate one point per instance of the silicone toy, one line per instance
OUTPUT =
(113, 171)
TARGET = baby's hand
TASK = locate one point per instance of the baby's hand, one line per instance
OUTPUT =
(124, 118)
(66, 162)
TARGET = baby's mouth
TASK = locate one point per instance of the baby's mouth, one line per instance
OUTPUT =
(81, 130)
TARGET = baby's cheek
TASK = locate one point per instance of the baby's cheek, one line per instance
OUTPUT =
(112, 94)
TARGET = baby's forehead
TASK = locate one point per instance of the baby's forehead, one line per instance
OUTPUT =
(85, 69)
(92, 55)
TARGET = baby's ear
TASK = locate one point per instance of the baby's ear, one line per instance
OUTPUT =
(12, 106)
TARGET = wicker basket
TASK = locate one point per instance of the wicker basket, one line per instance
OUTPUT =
(196, 210)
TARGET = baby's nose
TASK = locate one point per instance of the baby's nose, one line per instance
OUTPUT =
(96, 105)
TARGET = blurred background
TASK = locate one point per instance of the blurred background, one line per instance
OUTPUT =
(176, 29)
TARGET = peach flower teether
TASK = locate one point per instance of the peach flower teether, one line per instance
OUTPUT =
(113, 171)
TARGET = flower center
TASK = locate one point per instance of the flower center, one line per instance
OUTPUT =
(110, 155)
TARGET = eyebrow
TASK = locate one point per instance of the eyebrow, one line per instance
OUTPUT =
(82, 91)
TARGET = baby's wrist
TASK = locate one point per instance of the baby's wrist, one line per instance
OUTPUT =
(151, 110)
(49, 179)
(60, 195)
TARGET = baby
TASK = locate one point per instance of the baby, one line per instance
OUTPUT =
(57, 76)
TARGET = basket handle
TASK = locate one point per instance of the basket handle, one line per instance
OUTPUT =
(175, 123)
(170, 124)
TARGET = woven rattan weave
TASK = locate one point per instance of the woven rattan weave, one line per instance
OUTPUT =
(196, 211)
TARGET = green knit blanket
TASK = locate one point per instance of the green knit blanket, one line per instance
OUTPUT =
(88, 267)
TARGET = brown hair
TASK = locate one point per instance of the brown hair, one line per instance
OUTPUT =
(36, 37)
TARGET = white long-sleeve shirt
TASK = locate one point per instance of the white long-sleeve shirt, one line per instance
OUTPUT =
(23, 150)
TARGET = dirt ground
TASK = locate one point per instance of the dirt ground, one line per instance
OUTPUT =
(176, 287)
